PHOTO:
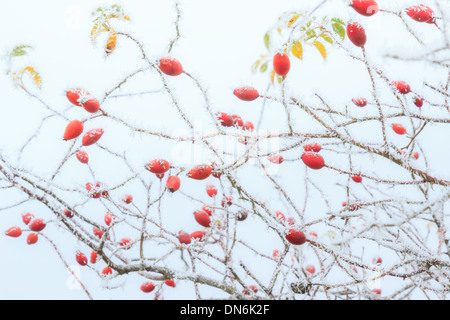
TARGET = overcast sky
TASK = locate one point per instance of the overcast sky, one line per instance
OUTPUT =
(220, 40)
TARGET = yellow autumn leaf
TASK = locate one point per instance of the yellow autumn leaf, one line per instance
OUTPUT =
(297, 50)
(18, 77)
(112, 42)
(321, 48)
(293, 19)
(272, 76)
(98, 28)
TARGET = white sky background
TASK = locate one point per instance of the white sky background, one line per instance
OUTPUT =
(220, 41)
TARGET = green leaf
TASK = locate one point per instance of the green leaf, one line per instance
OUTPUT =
(19, 51)
(256, 65)
(264, 67)
(338, 21)
(326, 38)
(339, 30)
(267, 40)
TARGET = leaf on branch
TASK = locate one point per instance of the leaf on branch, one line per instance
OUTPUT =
(264, 67)
(112, 42)
(338, 28)
(326, 38)
(35, 76)
(319, 45)
(267, 40)
(20, 50)
(297, 50)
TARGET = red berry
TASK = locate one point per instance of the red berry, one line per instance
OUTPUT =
(313, 160)
(419, 102)
(402, 87)
(32, 238)
(237, 121)
(281, 64)
(251, 287)
(27, 217)
(398, 128)
(296, 237)
(276, 253)
(37, 225)
(356, 34)
(211, 190)
(77, 96)
(92, 136)
(158, 166)
(365, 7)
(73, 130)
(82, 157)
(377, 260)
(249, 126)
(14, 232)
(81, 258)
(225, 119)
(94, 257)
(184, 237)
(311, 269)
(109, 218)
(421, 13)
(127, 198)
(416, 155)
(277, 159)
(68, 213)
(98, 232)
(170, 283)
(357, 179)
(246, 93)
(280, 216)
(94, 191)
(170, 66)
(198, 235)
(147, 287)
(107, 271)
(207, 210)
(92, 105)
(227, 201)
(353, 206)
(202, 218)
(360, 102)
(125, 242)
(173, 183)
(200, 172)
(313, 147)
(377, 291)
